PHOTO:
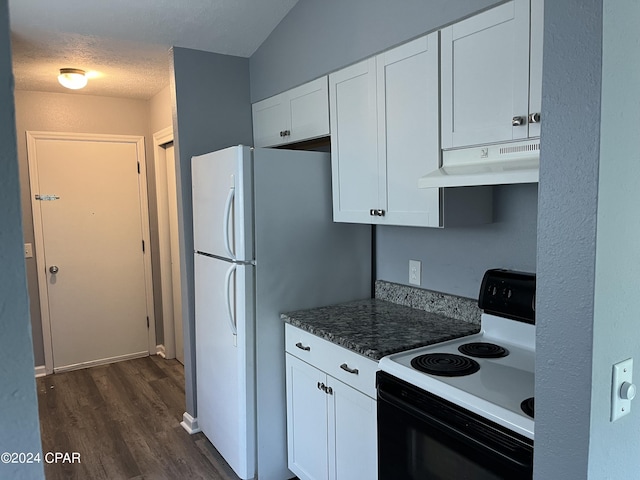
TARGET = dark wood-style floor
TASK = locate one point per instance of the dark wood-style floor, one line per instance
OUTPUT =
(124, 421)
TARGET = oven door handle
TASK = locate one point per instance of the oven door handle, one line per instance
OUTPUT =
(450, 430)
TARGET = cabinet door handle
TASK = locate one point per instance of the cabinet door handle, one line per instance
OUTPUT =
(534, 118)
(306, 348)
(321, 386)
(287, 133)
(328, 390)
(517, 121)
(346, 368)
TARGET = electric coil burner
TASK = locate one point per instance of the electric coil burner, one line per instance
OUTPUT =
(527, 407)
(445, 364)
(490, 373)
(483, 350)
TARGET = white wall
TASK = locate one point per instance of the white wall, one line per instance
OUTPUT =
(160, 108)
(19, 426)
(60, 112)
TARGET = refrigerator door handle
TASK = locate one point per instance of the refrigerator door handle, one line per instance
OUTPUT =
(227, 292)
(227, 216)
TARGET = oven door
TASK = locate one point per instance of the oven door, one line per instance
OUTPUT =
(421, 436)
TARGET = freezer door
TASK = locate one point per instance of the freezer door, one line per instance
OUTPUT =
(222, 203)
(225, 358)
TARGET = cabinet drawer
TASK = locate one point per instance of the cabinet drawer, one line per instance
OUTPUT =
(341, 363)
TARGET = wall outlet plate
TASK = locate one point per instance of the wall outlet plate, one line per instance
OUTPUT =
(622, 389)
(415, 272)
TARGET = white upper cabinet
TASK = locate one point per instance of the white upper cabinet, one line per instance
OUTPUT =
(489, 93)
(384, 134)
(358, 179)
(299, 114)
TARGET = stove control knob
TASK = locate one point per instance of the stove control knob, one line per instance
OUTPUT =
(627, 391)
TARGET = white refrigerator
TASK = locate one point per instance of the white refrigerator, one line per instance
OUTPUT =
(264, 243)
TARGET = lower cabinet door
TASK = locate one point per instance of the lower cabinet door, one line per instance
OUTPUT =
(352, 434)
(307, 423)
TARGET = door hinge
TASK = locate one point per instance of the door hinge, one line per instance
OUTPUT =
(147, 322)
(138, 168)
(142, 246)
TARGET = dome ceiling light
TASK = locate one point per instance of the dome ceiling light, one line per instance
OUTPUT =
(72, 78)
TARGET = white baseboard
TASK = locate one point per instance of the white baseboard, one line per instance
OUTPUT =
(41, 371)
(190, 424)
(102, 361)
(160, 350)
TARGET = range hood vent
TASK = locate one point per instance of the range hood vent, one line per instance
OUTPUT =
(516, 162)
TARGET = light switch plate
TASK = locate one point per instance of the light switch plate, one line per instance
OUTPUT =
(415, 272)
(28, 250)
(622, 373)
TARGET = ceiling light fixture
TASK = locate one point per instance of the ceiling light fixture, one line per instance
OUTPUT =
(72, 78)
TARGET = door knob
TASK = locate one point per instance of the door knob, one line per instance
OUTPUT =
(53, 269)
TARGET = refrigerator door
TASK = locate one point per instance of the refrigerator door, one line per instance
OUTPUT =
(224, 358)
(223, 203)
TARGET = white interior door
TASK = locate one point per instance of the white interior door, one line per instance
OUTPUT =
(90, 238)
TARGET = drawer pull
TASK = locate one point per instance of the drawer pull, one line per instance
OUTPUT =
(346, 368)
(306, 348)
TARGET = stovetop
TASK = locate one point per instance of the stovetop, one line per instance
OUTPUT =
(498, 387)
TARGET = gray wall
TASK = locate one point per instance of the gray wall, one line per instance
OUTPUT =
(212, 110)
(455, 259)
(617, 287)
(568, 196)
(317, 37)
(19, 427)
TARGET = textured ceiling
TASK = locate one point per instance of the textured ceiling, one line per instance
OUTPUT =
(124, 44)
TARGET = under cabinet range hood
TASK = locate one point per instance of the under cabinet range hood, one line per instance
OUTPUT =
(514, 162)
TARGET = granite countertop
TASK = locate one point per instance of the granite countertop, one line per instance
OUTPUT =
(376, 327)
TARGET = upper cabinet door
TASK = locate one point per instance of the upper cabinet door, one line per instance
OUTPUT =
(308, 111)
(408, 130)
(535, 61)
(485, 77)
(270, 120)
(301, 113)
(358, 177)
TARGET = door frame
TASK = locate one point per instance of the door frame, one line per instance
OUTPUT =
(168, 348)
(138, 141)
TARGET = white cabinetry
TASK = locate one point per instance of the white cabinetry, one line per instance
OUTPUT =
(385, 135)
(492, 75)
(331, 410)
(301, 113)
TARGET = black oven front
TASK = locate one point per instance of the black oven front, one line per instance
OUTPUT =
(424, 437)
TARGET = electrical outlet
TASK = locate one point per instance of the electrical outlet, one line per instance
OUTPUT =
(415, 272)
(28, 250)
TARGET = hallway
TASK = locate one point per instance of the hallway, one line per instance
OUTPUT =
(122, 420)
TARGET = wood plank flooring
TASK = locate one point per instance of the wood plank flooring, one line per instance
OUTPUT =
(124, 421)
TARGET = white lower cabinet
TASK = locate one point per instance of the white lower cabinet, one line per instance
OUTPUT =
(331, 426)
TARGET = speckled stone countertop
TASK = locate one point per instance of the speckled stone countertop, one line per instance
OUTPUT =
(375, 327)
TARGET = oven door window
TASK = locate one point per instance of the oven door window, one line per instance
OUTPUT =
(429, 438)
